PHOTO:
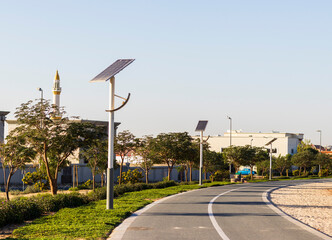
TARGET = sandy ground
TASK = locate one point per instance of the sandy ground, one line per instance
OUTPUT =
(309, 203)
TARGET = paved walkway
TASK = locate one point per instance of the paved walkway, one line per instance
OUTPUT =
(229, 212)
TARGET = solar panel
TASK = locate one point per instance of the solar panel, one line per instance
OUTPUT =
(112, 70)
(201, 126)
(271, 141)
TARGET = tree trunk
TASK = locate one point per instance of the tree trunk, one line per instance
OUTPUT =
(146, 176)
(169, 173)
(120, 177)
(54, 186)
(8, 182)
(287, 172)
(186, 174)
(190, 173)
(251, 169)
(102, 180)
(93, 180)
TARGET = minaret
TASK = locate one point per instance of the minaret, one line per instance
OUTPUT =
(56, 95)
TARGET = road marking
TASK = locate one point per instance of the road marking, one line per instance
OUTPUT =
(213, 219)
(290, 218)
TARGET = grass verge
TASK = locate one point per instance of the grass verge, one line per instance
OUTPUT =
(92, 221)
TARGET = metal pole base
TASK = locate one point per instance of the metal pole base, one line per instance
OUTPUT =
(110, 188)
(200, 176)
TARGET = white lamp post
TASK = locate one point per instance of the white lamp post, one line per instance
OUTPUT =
(201, 128)
(108, 74)
(270, 143)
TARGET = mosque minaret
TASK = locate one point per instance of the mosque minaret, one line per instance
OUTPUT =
(56, 94)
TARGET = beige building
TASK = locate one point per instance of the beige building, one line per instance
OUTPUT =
(285, 143)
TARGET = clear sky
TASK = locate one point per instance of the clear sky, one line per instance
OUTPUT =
(267, 64)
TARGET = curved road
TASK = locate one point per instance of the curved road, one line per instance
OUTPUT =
(228, 212)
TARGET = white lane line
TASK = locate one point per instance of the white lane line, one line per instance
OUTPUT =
(290, 218)
(213, 219)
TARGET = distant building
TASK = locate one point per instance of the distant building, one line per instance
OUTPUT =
(285, 143)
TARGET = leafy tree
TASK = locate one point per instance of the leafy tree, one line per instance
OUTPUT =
(53, 140)
(171, 148)
(324, 160)
(264, 166)
(213, 162)
(146, 154)
(14, 155)
(304, 159)
(96, 154)
(124, 143)
(304, 145)
(234, 155)
(282, 163)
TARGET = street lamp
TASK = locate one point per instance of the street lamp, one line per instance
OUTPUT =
(201, 128)
(320, 145)
(230, 140)
(270, 143)
(41, 105)
(108, 74)
(41, 94)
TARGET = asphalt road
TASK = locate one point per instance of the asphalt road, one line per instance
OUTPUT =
(229, 212)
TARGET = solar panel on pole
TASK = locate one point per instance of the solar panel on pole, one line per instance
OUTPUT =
(112, 70)
(201, 126)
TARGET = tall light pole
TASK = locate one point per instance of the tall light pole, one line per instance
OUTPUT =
(230, 140)
(270, 143)
(320, 145)
(41, 105)
(108, 74)
(201, 128)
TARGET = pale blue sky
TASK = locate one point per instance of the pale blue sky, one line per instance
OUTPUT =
(265, 63)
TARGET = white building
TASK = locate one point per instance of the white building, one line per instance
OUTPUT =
(285, 143)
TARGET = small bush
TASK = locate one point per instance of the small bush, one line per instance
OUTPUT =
(98, 194)
(323, 173)
(131, 176)
(220, 176)
(15, 192)
(296, 172)
(31, 189)
(73, 189)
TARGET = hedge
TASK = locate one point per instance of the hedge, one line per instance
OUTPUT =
(23, 209)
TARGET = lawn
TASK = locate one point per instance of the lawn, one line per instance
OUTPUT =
(92, 221)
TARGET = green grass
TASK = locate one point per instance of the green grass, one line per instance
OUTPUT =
(92, 221)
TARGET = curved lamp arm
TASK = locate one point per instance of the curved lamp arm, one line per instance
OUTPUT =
(125, 102)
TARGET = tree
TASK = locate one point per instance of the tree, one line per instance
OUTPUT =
(14, 155)
(124, 143)
(234, 155)
(146, 155)
(171, 148)
(282, 163)
(324, 160)
(264, 166)
(54, 140)
(96, 153)
(304, 159)
(213, 162)
(304, 145)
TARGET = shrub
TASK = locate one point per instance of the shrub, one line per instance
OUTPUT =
(86, 185)
(296, 172)
(98, 194)
(15, 192)
(131, 176)
(31, 189)
(323, 173)
(220, 176)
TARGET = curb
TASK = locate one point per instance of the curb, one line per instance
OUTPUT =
(267, 199)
